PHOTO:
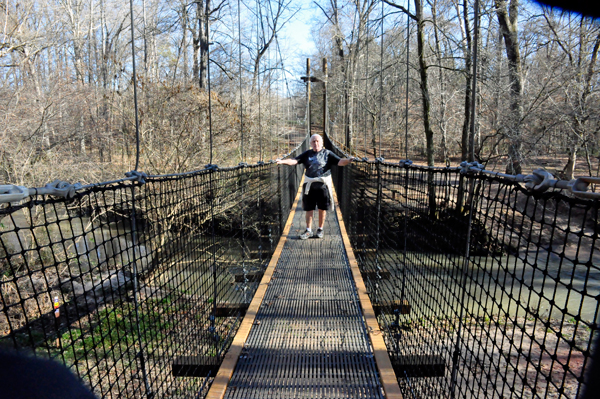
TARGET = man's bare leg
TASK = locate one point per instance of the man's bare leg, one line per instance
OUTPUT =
(322, 215)
(309, 218)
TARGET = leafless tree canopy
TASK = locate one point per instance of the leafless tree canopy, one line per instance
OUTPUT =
(537, 82)
(399, 84)
(66, 82)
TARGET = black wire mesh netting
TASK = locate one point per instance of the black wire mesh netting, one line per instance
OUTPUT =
(482, 288)
(126, 282)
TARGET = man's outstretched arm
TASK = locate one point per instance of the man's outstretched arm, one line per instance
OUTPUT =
(290, 161)
(345, 161)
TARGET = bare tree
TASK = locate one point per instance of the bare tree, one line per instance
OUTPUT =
(204, 15)
(508, 14)
(349, 23)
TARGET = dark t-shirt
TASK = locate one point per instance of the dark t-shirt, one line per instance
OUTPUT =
(318, 164)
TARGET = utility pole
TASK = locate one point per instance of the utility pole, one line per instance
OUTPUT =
(308, 121)
(308, 79)
(325, 108)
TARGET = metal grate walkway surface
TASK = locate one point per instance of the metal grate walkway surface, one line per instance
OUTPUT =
(309, 339)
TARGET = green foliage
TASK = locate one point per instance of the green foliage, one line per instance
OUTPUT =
(114, 333)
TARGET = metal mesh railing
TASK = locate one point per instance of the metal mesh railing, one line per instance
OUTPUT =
(123, 280)
(483, 288)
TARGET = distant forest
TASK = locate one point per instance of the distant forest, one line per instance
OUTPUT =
(399, 84)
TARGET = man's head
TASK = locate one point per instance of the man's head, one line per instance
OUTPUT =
(316, 142)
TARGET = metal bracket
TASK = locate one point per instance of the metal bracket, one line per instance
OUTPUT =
(140, 177)
(540, 180)
(59, 189)
(12, 193)
(471, 167)
(580, 185)
(63, 189)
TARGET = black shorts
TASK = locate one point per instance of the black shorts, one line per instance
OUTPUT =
(317, 197)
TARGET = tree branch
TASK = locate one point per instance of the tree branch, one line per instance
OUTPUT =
(404, 10)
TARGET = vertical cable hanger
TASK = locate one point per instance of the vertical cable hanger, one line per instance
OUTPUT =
(140, 355)
(270, 124)
(407, 81)
(212, 196)
(278, 94)
(405, 218)
(210, 129)
(381, 81)
(287, 88)
(243, 157)
(474, 84)
(258, 25)
(134, 81)
(365, 111)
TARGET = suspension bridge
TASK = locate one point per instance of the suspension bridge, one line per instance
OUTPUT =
(451, 282)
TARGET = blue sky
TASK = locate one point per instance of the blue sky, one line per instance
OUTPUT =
(297, 40)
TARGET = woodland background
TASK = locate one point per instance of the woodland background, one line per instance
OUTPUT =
(399, 85)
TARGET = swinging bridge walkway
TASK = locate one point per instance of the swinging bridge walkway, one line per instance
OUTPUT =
(308, 338)
(429, 282)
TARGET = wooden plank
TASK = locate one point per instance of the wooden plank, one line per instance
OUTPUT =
(398, 306)
(419, 365)
(219, 385)
(252, 277)
(382, 274)
(230, 309)
(195, 366)
(382, 358)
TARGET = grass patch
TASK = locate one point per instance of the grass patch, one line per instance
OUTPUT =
(113, 332)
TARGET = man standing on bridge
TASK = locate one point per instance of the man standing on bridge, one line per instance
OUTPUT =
(318, 187)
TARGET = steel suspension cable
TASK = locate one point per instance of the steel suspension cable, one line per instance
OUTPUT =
(240, 80)
(210, 129)
(140, 355)
(212, 167)
(278, 111)
(407, 81)
(365, 111)
(406, 176)
(381, 80)
(474, 83)
(466, 264)
(270, 100)
(258, 25)
(466, 261)
(287, 86)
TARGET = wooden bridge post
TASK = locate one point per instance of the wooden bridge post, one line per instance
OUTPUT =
(325, 108)
(308, 121)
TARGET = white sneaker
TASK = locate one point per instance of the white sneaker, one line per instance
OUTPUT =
(319, 233)
(307, 233)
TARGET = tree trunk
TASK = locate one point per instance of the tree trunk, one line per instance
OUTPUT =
(569, 169)
(184, 29)
(442, 125)
(200, 37)
(508, 21)
(204, 40)
(424, 84)
(465, 150)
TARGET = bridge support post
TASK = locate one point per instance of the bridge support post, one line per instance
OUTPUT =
(308, 121)
(325, 107)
